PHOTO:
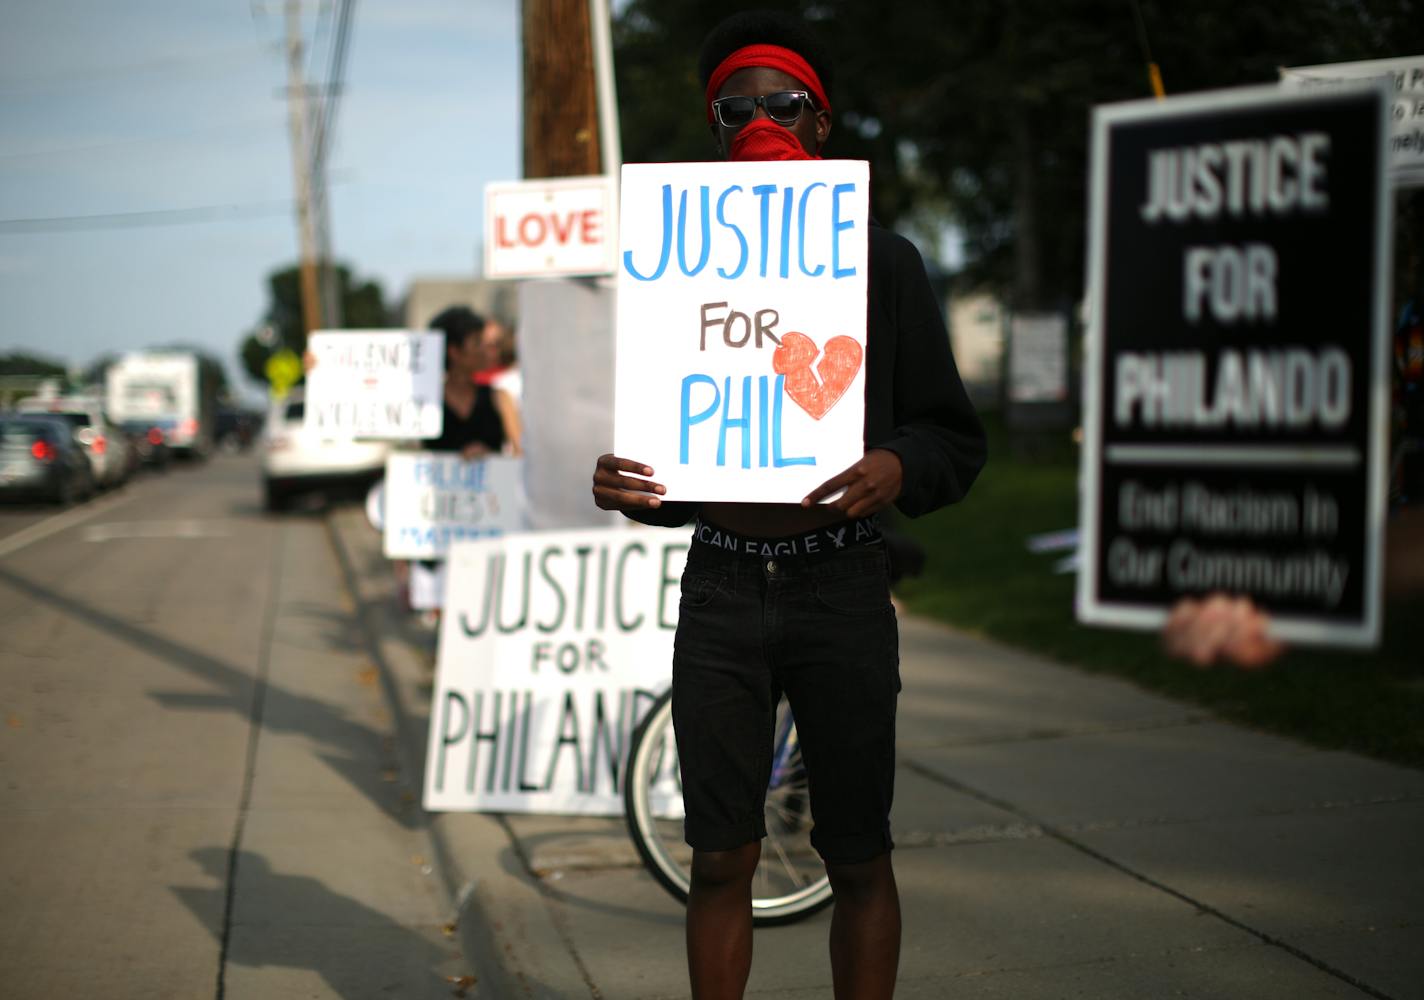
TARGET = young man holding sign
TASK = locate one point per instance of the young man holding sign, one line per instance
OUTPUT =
(794, 597)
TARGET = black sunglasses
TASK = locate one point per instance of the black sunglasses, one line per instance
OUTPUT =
(782, 107)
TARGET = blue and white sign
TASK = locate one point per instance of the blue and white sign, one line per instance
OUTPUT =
(433, 499)
(740, 371)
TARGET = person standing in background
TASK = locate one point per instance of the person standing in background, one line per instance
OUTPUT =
(477, 417)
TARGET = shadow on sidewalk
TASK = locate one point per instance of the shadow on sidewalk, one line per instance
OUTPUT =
(280, 921)
(515, 860)
(348, 744)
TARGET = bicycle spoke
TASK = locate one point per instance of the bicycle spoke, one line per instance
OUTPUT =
(782, 812)
(791, 870)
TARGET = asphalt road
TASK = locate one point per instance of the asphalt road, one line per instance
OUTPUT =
(199, 791)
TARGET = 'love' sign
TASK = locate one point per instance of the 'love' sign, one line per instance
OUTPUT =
(545, 228)
(741, 323)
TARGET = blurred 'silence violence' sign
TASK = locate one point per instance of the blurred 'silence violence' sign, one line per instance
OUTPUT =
(1235, 376)
(375, 384)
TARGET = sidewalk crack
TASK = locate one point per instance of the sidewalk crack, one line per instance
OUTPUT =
(249, 767)
(1062, 836)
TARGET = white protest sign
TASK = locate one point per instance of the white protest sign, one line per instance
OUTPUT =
(1406, 78)
(375, 384)
(543, 228)
(741, 326)
(433, 499)
(553, 645)
(1038, 358)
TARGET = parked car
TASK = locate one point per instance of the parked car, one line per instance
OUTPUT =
(108, 447)
(296, 460)
(41, 460)
(236, 429)
(150, 442)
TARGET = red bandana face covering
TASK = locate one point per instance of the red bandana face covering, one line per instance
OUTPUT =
(763, 139)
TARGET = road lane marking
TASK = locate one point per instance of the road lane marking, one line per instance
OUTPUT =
(59, 522)
(185, 528)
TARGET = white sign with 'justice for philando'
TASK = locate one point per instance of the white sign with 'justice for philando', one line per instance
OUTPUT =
(553, 645)
(741, 325)
(375, 384)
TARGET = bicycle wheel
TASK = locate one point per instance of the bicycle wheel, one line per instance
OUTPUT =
(790, 881)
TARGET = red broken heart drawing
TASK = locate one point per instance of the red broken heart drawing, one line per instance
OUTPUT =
(839, 362)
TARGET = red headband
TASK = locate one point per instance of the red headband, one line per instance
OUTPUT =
(770, 57)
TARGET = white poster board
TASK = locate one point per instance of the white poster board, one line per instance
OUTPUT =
(375, 384)
(549, 228)
(741, 319)
(553, 645)
(1406, 78)
(436, 498)
(1038, 358)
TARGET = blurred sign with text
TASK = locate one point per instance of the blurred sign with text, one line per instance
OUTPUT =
(375, 384)
(434, 499)
(1406, 78)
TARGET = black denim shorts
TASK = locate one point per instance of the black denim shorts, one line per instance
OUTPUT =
(760, 617)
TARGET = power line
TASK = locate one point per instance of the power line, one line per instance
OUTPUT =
(325, 125)
(320, 34)
(140, 220)
(1154, 73)
(213, 61)
(335, 84)
(252, 124)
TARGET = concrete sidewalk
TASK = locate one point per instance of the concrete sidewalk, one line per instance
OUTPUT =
(199, 788)
(1060, 834)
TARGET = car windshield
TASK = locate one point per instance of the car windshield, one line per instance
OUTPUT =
(75, 419)
(296, 411)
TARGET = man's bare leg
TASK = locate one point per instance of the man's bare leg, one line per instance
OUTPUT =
(865, 930)
(719, 922)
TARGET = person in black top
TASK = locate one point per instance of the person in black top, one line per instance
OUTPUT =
(474, 422)
(795, 598)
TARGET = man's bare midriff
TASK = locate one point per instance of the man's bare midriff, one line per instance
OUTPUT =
(768, 520)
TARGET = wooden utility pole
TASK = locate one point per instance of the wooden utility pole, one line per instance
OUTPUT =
(301, 168)
(560, 109)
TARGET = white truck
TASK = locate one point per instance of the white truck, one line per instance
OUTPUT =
(164, 390)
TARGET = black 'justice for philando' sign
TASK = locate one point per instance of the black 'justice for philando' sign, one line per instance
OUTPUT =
(1236, 396)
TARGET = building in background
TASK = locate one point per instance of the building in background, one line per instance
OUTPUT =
(427, 297)
(977, 322)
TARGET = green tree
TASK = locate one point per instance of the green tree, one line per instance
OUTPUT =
(21, 363)
(977, 113)
(362, 305)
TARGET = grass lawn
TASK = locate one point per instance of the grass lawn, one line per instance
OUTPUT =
(980, 577)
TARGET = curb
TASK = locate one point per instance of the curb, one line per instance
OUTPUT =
(508, 929)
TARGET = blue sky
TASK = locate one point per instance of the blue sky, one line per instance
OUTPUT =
(150, 105)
